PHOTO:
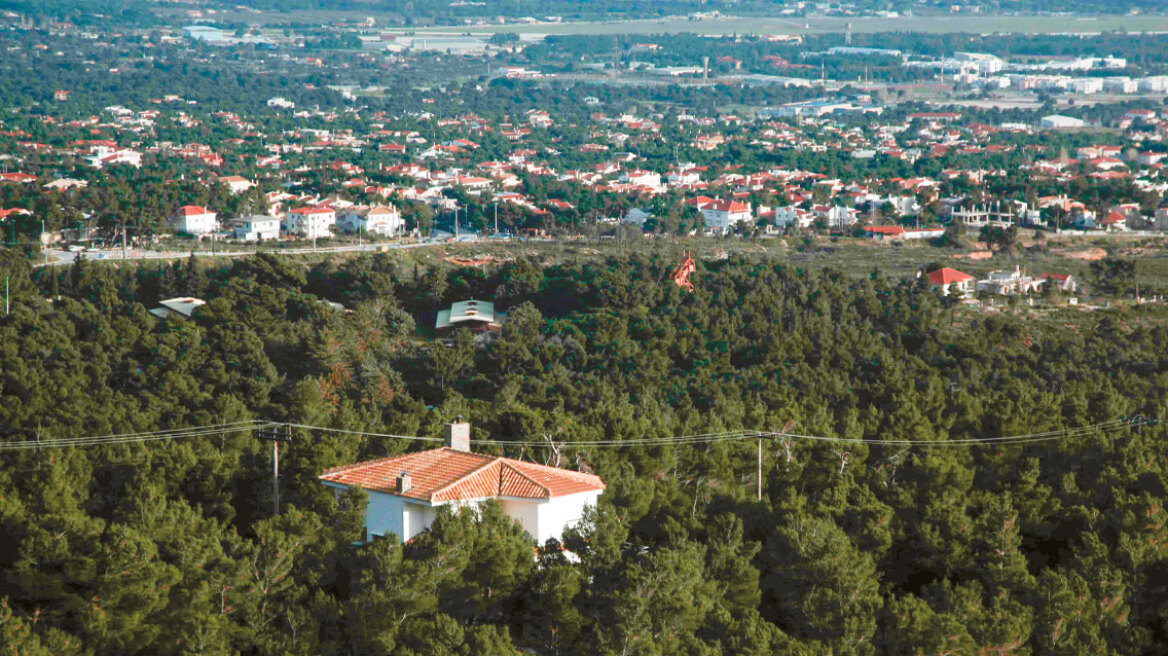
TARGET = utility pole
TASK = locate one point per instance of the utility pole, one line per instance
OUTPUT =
(273, 434)
(786, 427)
(496, 218)
(124, 240)
(760, 466)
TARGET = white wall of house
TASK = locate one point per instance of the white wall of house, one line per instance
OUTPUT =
(392, 514)
(388, 514)
(385, 514)
(721, 220)
(559, 513)
(315, 225)
(256, 228)
(785, 216)
(377, 222)
(197, 224)
(526, 512)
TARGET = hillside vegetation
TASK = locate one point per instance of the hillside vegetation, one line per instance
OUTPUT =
(169, 547)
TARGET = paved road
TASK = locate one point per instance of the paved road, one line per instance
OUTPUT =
(60, 257)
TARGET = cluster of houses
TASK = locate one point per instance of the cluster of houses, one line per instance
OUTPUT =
(1009, 282)
(317, 221)
(727, 196)
(596, 153)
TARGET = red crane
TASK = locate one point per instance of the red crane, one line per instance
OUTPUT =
(680, 275)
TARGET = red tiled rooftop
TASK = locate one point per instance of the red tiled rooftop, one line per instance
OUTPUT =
(445, 474)
(947, 276)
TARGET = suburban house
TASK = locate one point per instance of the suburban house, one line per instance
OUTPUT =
(257, 227)
(236, 184)
(900, 233)
(722, 215)
(1006, 283)
(785, 216)
(1061, 281)
(182, 307)
(837, 216)
(103, 157)
(636, 216)
(379, 220)
(1114, 221)
(476, 315)
(195, 220)
(315, 222)
(406, 491)
(944, 280)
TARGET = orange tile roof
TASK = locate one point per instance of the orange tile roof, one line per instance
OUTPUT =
(947, 276)
(445, 474)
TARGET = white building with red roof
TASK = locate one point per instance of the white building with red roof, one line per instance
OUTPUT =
(195, 220)
(313, 222)
(722, 215)
(944, 280)
(405, 492)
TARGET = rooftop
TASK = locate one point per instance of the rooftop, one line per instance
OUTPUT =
(445, 474)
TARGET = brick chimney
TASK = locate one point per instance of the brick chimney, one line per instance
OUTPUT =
(458, 435)
(404, 483)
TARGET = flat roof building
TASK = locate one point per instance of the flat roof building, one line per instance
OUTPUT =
(203, 33)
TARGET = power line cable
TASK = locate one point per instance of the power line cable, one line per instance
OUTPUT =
(125, 438)
(676, 440)
(363, 433)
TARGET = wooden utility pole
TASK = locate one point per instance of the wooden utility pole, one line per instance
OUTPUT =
(275, 435)
(760, 466)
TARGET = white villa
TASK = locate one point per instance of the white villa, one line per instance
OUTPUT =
(1008, 282)
(257, 227)
(311, 222)
(722, 215)
(406, 491)
(379, 220)
(195, 220)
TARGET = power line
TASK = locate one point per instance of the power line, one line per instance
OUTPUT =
(1116, 424)
(363, 433)
(125, 438)
(676, 440)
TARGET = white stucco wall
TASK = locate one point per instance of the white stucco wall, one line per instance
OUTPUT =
(388, 514)
(524, 511)
(384, 515)
(561, 512)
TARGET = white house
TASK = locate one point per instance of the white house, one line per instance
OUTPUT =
(195, 220)
(379, 220)
(641, 178)
(257, 227)
(945, 280)
(313, 222)
(721, 215)
(102, 156)
(785, 216)
(405, 492)
(837, 217)
(636, 216)
(236, 184)
(1006, 283)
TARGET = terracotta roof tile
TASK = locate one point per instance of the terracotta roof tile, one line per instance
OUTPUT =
(445, 474)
